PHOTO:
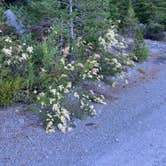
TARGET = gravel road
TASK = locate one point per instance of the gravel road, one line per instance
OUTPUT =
(129, 131)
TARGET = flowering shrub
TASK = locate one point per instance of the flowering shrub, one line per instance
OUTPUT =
(14, 61)
(50, 78)
(110, 39)
(52, 100)
(14, 55)
(56, 114)
(112, 64)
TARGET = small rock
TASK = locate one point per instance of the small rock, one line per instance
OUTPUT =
(116, 140)
(17, 111)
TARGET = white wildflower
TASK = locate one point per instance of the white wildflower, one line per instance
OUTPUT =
(113, 84)
(69, 85)
(61, 87)
(66, 91)
(24, 56)
(63, 119)
(76, 95)
(63, 75)
(62, 61)
(65, 51)
(61, 127)
(97, 56)
(55, 107)
(30, 49)
(93, 112)
(118, 65)
(35, 91)
(8, 40)
(42, 94)
(7, 51)
(126, 81)
(42, 104)
(114, 60)
(43, 70)
(80, 65)
(53, 91)
(69, 129)
(51, 100)
(91, 107)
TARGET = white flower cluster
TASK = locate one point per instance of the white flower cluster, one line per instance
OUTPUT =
(92, 69)
(86, 99)
(121, 59)
(57, 116)
(85, 103)
(129, 62)
(99, 99)
(110, 40)
(15, 53)
(117, 65)
(89, 69)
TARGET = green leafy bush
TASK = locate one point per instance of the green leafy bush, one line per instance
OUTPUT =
(9, 88)
(140, 50)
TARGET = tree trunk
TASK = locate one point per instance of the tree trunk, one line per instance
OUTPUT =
(71, 19)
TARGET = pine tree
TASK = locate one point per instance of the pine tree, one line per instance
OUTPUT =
(118, 10)
(91, 18)
(130, 22)
(143, 10)
(114, 10)
(148, 10)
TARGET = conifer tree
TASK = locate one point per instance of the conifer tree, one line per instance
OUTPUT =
(140, 50)
(148, 10)
(130, 22)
